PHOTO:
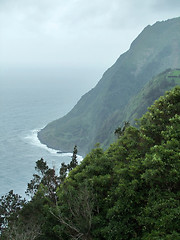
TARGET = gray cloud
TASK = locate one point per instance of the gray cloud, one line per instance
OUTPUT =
(74, 32)
(161, 5)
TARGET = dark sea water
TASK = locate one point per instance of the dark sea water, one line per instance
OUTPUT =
(25, 108)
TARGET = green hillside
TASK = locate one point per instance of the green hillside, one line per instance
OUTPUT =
(131, 191)
(150, 92)
(156, 49)
(139, 104)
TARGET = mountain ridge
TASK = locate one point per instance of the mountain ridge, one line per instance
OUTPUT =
(152, 52)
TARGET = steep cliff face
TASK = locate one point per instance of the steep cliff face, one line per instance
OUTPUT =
(139, 104)
(91, 120)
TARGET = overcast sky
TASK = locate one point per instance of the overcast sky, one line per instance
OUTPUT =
(74, 34)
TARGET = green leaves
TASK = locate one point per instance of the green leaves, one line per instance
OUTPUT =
(10, 205)
(131, 191)
(159, 115)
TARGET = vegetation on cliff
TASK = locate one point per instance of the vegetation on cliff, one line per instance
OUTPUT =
(106, 106)
(131, 191)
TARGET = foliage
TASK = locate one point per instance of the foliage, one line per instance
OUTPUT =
(47, 180)
(131, 191)
(10, 205)
(120, 131)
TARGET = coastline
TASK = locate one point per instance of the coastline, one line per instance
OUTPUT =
(34, 140)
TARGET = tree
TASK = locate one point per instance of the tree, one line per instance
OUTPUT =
(74, 161)
(27, 230)
(63, 172)
(120, 131)
(128, 192)
(47, 178)
(75, 212)
(10, 206)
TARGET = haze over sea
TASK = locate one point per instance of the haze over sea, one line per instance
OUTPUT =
(28, 101)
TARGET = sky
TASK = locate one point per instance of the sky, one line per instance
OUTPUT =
(74, 36)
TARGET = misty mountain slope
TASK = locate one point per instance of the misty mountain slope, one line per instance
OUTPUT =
(139, 104)
(151, 91)
(153, 51)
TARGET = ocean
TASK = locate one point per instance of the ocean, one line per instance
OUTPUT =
(25, 108)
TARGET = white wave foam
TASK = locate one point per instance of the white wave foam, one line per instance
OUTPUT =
(33, 139)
